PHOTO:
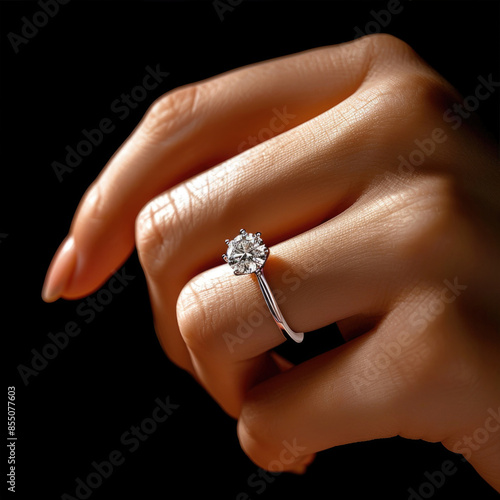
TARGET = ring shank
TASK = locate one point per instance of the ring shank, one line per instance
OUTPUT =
(287, 332)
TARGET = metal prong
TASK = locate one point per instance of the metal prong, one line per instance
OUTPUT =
(266, 250)
(227, 242)
(258, 235)
(224, 256)
(243, 232)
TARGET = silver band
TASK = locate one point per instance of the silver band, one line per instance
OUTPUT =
(287, 332)
(247, 254)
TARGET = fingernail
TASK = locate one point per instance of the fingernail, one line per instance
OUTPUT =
(60, 271)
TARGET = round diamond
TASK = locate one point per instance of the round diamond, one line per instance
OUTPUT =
(246, 254)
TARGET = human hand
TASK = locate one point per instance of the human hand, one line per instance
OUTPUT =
(381, 204)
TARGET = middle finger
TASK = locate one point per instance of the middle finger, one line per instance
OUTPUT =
(280, 188)
(319, 277)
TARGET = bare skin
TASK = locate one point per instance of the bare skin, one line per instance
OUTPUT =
(381, 207)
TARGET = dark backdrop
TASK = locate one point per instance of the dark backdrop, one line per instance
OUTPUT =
(79, 407)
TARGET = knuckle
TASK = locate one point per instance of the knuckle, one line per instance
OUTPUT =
(160, 226)
(150, 234)
(384, 55)
(420, 220)
(393, 60)
(428, 96)
(403, 82)
(253, 432)
(431, 229)
(94, 208)
(413, 101)
(171, 112)
(197, 314)
(404, 113)
(163, 225)
(382, 46)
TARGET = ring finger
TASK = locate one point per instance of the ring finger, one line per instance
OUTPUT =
(324, 275)
(281, 186)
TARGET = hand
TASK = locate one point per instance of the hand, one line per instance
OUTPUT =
(381, 204)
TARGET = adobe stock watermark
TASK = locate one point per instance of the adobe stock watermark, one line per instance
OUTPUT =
(380, 19)
(434, 481)
(277, 124)
(121, 108)
(466, 446)
(247, 326)
(130, 442)
(418, 321)
(48, 9)
(260, 480)
(222, 7)
(87, 309)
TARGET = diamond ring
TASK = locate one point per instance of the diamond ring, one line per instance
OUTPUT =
(247, 254)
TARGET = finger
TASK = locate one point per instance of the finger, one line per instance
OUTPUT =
(417, 393)
(224, 320)
(308, 425)
(184, 132)
(290, 188)
(325, 413)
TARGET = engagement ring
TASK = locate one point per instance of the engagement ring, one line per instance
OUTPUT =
(247, 254)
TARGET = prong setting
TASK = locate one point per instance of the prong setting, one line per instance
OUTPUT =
(246, 253)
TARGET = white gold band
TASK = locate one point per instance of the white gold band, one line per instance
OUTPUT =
(247, 254)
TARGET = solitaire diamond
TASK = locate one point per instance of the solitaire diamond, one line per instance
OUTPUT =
(247, 253)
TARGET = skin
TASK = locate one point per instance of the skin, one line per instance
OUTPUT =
(316, 152)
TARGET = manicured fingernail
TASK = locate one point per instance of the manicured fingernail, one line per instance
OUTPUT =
(60, 271)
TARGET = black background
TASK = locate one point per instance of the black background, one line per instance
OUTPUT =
(106, 380)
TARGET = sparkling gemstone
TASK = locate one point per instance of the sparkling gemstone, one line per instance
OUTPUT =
(247, 253)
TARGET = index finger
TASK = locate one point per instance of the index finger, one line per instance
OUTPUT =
(187, 131)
